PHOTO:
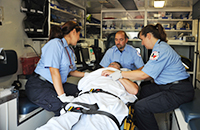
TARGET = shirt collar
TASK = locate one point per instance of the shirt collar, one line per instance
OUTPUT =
(125, 48)
(156, 43)
(64, 42)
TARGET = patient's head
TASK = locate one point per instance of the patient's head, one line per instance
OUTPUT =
(115, 64)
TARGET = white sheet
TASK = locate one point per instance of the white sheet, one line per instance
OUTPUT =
(105, 102)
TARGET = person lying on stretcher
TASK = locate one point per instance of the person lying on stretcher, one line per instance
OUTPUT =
(101, 104)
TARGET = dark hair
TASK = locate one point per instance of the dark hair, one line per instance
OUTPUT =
(69, 26)
(157, 31)
(122, 32)
(118, 64)
(55, 32)
(59, 32)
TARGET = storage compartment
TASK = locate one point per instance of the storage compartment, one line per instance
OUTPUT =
(29, 64)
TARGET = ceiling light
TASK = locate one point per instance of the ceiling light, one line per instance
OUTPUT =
(159, 4)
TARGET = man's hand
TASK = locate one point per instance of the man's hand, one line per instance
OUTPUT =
(107, 72)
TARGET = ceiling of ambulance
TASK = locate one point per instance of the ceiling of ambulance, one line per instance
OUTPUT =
(95, 6)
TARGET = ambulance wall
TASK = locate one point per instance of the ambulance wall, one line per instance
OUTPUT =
(12, 35)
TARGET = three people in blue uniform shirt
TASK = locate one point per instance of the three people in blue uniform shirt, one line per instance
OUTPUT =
(171, 86)
(47, 87)
(123, 53)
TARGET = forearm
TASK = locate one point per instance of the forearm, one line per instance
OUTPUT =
(135, 75)
(57, 82)
(130, 86)
(76, 73)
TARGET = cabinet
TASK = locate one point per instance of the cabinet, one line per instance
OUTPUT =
(65, 10)
(176, 23)
(129, 21)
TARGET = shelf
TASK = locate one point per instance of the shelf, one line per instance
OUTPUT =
(178, 30)
(123, 19)
(169, 20)
(93, 24)
(54, 23)
(181, 42)
(130, 30)
(64, 11)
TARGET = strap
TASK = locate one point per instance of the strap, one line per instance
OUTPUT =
(84, 111)
(97, 91)
(90, 106)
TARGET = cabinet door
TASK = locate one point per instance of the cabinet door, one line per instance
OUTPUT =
(62, 11)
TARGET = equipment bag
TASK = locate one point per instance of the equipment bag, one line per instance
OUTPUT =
(36, 26)
(34, 6)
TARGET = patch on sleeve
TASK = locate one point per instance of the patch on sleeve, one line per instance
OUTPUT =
(154, 55)
(138, 54)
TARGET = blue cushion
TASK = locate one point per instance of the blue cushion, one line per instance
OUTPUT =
(25, 105)
(194, 124)
(191, 109)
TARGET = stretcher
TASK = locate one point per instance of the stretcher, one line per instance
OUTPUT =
(113, 101)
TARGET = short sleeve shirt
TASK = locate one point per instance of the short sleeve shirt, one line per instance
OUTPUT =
(165, 65)
(128, 58)
(54, 55)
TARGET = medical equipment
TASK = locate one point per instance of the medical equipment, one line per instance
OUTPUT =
(3, 58)
(8, 62)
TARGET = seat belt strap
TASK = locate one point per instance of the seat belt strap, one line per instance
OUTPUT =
(97, 91)
(90, 106)
(84, 111)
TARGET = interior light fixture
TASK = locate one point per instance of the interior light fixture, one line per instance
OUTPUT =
(159, 4)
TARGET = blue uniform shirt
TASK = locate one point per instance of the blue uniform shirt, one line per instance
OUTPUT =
(128, 58)
(165, 65)
(54, 55)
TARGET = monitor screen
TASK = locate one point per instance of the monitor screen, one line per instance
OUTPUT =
(85, 54)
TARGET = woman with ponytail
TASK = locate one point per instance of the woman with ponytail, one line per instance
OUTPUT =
(47, 86)
(170, 87)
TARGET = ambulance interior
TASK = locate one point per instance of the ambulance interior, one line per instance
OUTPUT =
(18, 49)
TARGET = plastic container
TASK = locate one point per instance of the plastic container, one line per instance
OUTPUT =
(29, 64)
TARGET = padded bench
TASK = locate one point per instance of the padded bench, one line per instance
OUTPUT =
(194, 124)
(26, 107)
(191, 110)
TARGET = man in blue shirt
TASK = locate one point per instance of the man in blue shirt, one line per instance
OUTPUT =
(123, 53)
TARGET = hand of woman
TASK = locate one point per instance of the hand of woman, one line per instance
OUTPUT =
(107, 72)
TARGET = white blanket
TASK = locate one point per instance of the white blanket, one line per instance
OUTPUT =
(106, 102)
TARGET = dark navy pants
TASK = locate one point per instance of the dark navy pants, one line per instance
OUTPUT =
(44, 95)
(160, 99)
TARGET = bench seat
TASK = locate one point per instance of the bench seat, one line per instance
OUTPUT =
(191, 110)
(26, 106)
(194, 124)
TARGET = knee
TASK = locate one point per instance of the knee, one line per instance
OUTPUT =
(140, 107)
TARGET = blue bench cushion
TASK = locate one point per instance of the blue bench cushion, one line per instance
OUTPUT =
(194, 124)
(25, 105)
(191, 109)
